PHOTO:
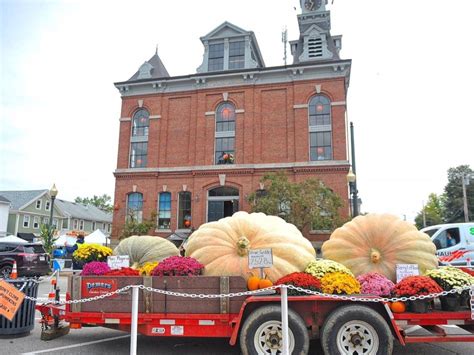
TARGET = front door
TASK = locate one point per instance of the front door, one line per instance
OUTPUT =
(222, 202)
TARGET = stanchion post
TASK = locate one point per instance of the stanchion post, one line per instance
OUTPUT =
(284, 320)
(134, 325)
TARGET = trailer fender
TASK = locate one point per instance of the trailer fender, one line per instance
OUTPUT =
(392, 324)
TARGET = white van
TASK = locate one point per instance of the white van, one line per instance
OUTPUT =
(462, 243)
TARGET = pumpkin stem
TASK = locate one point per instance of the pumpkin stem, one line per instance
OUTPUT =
(243, 246)
(375, 256)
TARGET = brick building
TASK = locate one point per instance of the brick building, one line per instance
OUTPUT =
(193, 147)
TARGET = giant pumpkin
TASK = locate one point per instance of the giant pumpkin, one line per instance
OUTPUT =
(145, 248)
(223, 246)
(377, 243)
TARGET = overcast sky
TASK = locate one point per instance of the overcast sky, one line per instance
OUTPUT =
(410, 95)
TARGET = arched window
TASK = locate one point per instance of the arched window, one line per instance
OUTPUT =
(320, 128)
(164, 210)
(184, 211)
(135, 206)
(140, 123)
(139, 139)
(222, 202)
(225, 134)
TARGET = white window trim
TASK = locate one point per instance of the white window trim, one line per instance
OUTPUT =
(75, 224)
(81, 225)
(40, 204)
(55, 223)
(26, 218)
(47, 205)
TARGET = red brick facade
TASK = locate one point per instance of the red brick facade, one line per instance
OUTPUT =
(271, 133)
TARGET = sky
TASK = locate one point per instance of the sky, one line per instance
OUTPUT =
(410, 95)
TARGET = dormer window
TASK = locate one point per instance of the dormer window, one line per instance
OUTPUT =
(216, 57)
(236, 55)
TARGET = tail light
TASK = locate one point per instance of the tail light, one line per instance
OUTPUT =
(27, 256)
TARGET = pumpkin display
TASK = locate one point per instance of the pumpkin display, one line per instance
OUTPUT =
(223, 246)
(145, 248)
(253, 282)
(264, 283)
(377, 242)
(398, 307)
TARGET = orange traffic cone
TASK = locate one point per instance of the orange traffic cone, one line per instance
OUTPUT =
(14, 273)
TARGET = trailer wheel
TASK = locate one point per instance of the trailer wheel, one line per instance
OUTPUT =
(261, 332)
(356, 330)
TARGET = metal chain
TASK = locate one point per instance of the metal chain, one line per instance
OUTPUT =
(352, 298)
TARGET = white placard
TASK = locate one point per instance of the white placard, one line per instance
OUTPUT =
(260, 258)
(118, 261)
(177, 330)
(404, 270)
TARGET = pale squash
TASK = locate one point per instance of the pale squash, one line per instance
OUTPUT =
(145, 248)
(377, 243)
(223, 246)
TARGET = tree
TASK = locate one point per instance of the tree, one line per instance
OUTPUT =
(103, 202)
(134, 227)
(453, 195)
(433, 212)
(308, 204)
(48, 237)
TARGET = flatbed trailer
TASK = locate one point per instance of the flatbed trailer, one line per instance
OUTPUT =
(361, 325)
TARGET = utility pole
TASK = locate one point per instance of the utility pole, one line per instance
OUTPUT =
(465, 182)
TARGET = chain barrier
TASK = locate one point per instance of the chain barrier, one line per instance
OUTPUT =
(352, 298)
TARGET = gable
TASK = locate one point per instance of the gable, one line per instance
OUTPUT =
(225, 30)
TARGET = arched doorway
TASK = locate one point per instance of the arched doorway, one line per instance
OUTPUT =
(222, 202)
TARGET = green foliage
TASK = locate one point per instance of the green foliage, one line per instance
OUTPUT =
(433, 211)
(308, 204)
(48, 237)
(134, 227)
(454, 208)
(103, 202)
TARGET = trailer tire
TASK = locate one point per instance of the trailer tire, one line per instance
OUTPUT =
(355, 330)
(261, 332)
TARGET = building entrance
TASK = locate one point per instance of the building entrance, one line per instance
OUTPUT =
(222, 202)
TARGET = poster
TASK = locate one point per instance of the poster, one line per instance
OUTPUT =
(10, 300)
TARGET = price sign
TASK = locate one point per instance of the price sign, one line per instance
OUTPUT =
(404, 270)
(260, 258)
(10, 300)
(118, 261)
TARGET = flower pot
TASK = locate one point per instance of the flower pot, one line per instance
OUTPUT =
(419, 306)
(450, 303)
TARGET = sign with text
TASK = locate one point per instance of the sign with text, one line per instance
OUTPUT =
(260, 258)
(404, 270)
(10, 300)
(94, 286)
(118, 261)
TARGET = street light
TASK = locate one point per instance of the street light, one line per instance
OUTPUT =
(53, 192)
(465, 182)
(351, 179)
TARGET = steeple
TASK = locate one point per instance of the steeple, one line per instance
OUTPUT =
(151, 69)
(315, 42)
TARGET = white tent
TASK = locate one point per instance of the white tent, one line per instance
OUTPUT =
(69, 240)
(97, 237)
(13, 239)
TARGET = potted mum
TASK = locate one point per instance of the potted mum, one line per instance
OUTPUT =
(300, 279)
(373, 283)
(417, 286)
(320, 267)
(178, 266)
(448, 278)
(340, 283)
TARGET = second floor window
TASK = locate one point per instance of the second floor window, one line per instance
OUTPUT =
(36, 222)
(164, 211)
(38, 204)
(236, 55)
(320, 128)
(139, 139)
(225, 134)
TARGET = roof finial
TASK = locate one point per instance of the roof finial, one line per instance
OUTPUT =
(156, 52)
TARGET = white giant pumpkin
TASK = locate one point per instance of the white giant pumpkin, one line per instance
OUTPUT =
(223, 246)
(377, 243)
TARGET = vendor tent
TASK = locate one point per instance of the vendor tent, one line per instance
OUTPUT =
(13, 239)
(97, 237)
(69, 240)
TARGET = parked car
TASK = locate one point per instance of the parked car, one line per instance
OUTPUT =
(31, 259)
(455, 239)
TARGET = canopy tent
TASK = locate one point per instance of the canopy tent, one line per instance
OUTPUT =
(69, 240)
(97, 237)
(13, 239)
